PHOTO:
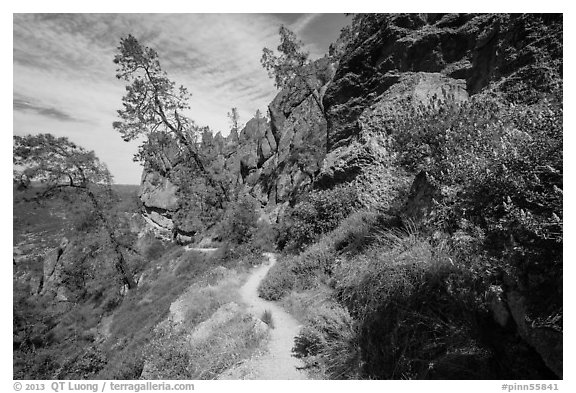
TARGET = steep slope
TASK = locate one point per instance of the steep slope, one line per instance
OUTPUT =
(424, 56)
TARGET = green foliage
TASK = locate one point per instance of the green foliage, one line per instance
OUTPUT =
(500, 171)
(264, 236)
(154, 249)
(57, 162)
(152, 101)
(239, 221)
(234, 118)
(329, 341)
(278, 282)
(318, 213)
(289, 64)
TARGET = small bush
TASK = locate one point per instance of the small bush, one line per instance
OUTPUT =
(318, 213)
(278, 282)
(329, 342)
(239, 221)
(154, 250)
(264, 236)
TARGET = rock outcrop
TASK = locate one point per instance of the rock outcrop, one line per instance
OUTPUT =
(440, 57)
(271, 160)
(332, 125)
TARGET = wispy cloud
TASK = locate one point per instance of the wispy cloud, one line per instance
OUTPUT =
(302, 23)
(27, 104)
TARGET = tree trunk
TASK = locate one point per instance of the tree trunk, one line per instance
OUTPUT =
(120, 263)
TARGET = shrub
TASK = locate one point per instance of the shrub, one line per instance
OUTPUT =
(239, 221)
(329, 341)
(412, 302)
(278, 282)
(319, 212)
(154, 249)
(499, 168)
(264, 236)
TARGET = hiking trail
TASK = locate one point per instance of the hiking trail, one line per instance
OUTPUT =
(277, 363)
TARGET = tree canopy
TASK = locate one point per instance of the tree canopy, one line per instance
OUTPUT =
(56, 162)
(61, 165)
(152, 101)
(152, 108)
(290, 61)
(234, 118)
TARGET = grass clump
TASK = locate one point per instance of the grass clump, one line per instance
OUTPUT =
(173, 355)
(329, 343)
(278, 282)
(314, 267)
(267, 318)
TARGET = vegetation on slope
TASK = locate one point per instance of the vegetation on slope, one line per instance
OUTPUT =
(417, 300)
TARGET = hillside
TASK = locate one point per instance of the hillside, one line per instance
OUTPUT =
(410, 180)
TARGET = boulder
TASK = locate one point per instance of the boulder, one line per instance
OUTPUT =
(52, 269)
(545, 340)
(423, 193)
(481, 50)
(158, 192)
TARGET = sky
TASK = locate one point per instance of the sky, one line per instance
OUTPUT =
(64, 78)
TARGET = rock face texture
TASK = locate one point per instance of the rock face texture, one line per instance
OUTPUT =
(331, 126)
(158, 196)
(446, 57)
(273, 160)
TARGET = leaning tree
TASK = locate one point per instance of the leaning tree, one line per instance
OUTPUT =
(153, 112)
(293, 64)
(64, 168)
(153, 108)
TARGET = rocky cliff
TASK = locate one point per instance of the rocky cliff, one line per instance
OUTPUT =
(445, 57)
(272, 160)
(413, 58)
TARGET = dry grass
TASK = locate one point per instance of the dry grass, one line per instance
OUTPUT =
(164, 282)
(374, 302)
(172, 354)
(204, 333)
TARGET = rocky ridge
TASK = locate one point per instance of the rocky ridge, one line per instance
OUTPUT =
(413, 58)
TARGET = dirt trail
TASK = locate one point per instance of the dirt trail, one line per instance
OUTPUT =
(278, 362)
(206, 250)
